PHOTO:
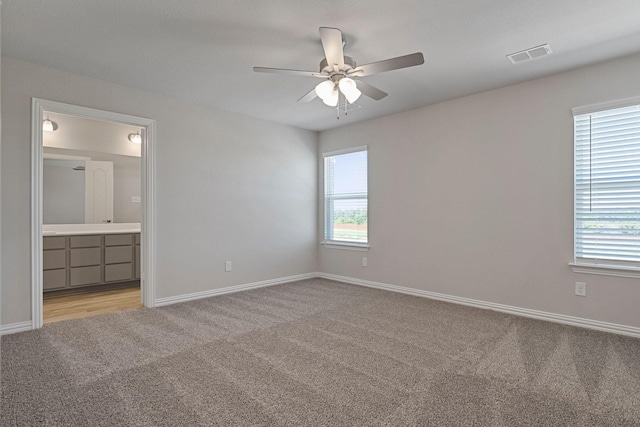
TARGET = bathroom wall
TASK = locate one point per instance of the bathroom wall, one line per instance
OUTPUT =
(127, 186)
(79, 133)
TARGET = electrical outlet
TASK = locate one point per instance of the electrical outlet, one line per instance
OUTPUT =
(227, 266)
(364, 262)
(581, 289)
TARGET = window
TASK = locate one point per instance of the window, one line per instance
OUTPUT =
(346, 197)
(607, 186)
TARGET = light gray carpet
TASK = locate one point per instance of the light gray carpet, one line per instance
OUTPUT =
(318, 352)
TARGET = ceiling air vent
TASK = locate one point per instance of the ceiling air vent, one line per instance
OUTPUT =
(531, 53)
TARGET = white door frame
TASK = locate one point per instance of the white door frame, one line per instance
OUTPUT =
(147, 273)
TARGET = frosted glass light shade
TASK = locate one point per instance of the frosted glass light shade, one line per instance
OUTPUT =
(349, 89)
(47, 125)
(325, 89)
(332, 99)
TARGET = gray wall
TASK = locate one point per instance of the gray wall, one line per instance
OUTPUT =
(471, 197)
(228, 187)
(474, 197)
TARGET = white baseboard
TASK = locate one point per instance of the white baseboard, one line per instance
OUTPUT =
(518, 311)
(231, 289)
(13, 328)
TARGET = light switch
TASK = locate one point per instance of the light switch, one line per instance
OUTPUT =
(136, 199)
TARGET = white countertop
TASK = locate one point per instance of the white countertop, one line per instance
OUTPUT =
(75, 229)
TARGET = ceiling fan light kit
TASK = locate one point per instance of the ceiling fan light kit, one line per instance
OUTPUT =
(349, 89)
(324, 89)
(338, 70)
(332, 99)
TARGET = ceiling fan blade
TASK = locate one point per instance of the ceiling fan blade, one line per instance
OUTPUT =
(388, 65)
(332, 44)
(285, 71)
(310, 96)
(371, 91)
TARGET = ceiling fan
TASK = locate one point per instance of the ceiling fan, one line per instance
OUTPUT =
(339, 72)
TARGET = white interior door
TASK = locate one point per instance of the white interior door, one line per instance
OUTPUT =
(98, 191)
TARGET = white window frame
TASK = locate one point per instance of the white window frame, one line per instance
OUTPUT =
(595, 266)
(341, 244)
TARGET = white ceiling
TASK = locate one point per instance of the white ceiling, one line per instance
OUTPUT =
(204, 50)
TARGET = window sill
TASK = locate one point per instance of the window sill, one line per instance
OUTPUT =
(606, 270)
(349, 246)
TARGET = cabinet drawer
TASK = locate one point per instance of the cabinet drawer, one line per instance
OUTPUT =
(115, 272)
(117, 254)
(54, 279)
(117, 239)
(54, 259)
(84, 275)
(84, 241)
(53, 242)
(137, 238)
(85, 256)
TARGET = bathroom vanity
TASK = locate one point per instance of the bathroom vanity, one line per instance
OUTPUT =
(82, 255)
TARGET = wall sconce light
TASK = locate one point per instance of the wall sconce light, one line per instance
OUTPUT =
(136, 138)
(49, 125)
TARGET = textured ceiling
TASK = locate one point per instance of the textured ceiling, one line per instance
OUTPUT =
(204, 50)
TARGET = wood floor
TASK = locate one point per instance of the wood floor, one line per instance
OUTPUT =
(64, 307)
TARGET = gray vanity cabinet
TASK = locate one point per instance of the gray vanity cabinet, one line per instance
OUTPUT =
(85, 260)
(54, 263)
(88, 260)
(118, 257)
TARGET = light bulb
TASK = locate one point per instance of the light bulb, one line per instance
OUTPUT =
(325, 88)
(332, 99)
(47, 125)
(136, 138)
(349, 89)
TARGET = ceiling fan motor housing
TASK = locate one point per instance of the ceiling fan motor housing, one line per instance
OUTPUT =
(349, 64)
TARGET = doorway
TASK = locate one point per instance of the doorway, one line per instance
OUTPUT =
(40, 108)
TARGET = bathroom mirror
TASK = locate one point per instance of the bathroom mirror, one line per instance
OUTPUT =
(63, 188)
(91, 171)
(84, 187)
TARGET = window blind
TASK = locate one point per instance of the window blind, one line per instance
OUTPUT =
(346, 197)
(607, 187)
